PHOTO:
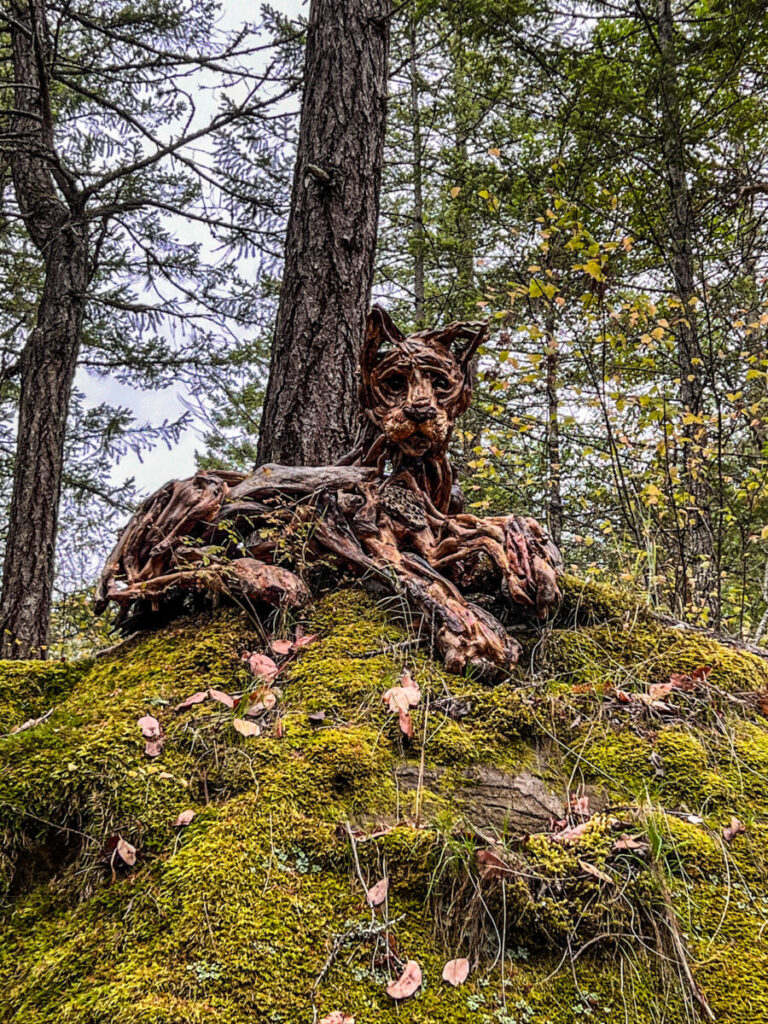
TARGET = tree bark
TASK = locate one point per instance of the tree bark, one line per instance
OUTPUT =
(48, 361)
(311, 405)
(554, 466)
(418, 184)
(699, 577)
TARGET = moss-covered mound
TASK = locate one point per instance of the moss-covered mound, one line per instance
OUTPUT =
(592, 839)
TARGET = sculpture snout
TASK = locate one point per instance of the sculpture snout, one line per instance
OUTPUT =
(420, 413)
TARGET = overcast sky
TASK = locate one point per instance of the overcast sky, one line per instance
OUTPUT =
(161, 464)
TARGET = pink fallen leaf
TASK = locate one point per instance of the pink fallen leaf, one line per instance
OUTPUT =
(337, 1017)
(304, 641)
(572, 835)
(658, 691)
(623, 697)
(731, 831)
(154, 748)
(184, 818)
(407, 984)
(456, 972)
(281, 647)
(266, 701)
(126, 851)
(410, 687)
(396, 699)
(580, 806)
(406, 724)
(246, 728)
(150, 727)
(262, 665)
(595, 872)
(222, 698)
(196, 698)
(627, 842)
(378, 892)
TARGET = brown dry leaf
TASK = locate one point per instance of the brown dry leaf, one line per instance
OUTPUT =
(154, 748)
(184, 818)
(378, 892)
(627, 842)
(196, 698)
(279, 728)
(406, 724)
(304, 641)
(281, 647)
(623, 697)
(571, 835)
(491, 865)
(337, 1017)
(126, 851)
(150, 727)
(246, 728)
(732, 830)
(658, 691)
(222, 698)
(262, 665)
(681, 681)
(701, 674)
(265, 701)
(407, 984)
(456, 972)
(595, 872)
(316, 718)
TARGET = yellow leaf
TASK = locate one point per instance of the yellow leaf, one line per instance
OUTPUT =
(455, 191)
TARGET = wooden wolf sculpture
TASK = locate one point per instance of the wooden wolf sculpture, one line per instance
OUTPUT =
(390, 511)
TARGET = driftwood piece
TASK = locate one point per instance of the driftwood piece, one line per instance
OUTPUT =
(391, 511)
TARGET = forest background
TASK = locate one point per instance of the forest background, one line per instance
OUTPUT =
(592, 178)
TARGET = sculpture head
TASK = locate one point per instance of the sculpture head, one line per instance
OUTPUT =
(414, 388)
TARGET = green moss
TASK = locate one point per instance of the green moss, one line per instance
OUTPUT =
(235, 918)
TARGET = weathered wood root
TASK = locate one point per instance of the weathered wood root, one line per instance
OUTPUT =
(222, 533)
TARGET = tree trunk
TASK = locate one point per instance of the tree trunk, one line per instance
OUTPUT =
(311, 405)
(49, 358)
(418, 185)
(554, 466)
(699, 577)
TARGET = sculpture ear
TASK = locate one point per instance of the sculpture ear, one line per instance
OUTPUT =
(380, 330)
(464, 339)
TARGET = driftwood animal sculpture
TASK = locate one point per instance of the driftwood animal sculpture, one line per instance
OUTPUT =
(391, 512)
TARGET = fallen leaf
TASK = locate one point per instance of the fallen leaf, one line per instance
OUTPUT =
(732, 830)
(657, 691)
(623, 697)
(154, 748)
(410, 687)
(279, 728)
(491, 865)
(337, 1017)
(595, 872)
(456, 972)
(580, 806)
(304, 641)
(571, 835)
(184, 818)
(316, 718)
(627, 842)
(406, 724)
(246, 728)
(281, 646)
(681, 681)
(396, 699)
(221, 697)
(701, 674)
(265, 702)
(407, 984)
(378, 892)
(196, 698)
(126, 851)
(262, 665)
(150, 727)
(694, 819)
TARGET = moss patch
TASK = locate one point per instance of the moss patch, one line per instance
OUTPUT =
(254, 911)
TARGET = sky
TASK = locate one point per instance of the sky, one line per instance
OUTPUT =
(154, 468)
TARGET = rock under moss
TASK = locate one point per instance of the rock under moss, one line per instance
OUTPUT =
(255, 911)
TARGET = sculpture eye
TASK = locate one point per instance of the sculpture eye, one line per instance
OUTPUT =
(442, 383)
(395, 383)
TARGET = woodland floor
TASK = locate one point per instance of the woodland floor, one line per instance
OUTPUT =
(590, 834)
